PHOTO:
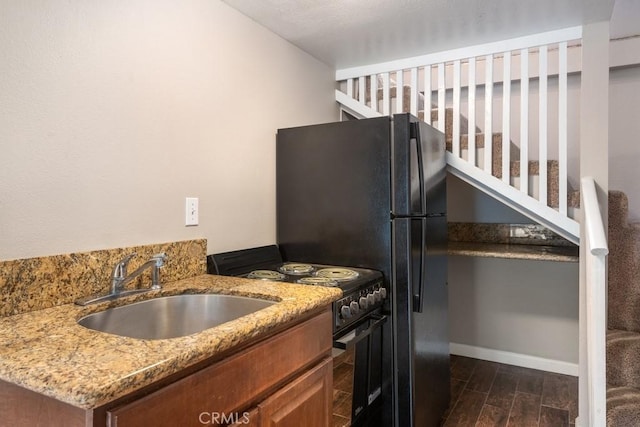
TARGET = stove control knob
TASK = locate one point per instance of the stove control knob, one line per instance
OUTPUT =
(355, 308)
(371, 299)
(345, 312)
(383, 292)
(363, 303)
(378, 295)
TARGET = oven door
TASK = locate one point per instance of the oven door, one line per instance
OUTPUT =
(365, 338)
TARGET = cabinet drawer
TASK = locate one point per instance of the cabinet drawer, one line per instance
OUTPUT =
(232, 383)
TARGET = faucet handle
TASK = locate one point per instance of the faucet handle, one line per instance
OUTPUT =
(120, 270)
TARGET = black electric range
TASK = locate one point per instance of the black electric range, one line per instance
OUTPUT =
(363, 289)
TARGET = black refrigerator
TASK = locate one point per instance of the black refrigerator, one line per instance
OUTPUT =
(371, 193)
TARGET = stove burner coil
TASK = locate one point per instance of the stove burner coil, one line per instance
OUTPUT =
(265, 275)
(318, 281)
(338, 274)
(296, 269)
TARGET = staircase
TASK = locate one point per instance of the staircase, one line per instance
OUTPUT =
(497, 145)
(546, 202)
(623, 335)
(435, 89)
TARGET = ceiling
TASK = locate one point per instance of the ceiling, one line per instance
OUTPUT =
(346, 33)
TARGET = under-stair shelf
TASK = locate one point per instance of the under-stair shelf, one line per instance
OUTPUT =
(511, 251)
(510, 241)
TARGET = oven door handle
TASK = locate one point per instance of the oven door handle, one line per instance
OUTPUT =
(351, 339)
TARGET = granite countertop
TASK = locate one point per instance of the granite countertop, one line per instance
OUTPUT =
(46, 351)
(515, 251)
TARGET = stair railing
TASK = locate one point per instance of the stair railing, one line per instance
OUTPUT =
(465, 86)
(593, 317)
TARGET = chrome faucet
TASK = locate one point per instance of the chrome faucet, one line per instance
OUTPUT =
(120, 278)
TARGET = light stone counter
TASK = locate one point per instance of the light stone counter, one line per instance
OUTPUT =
(526, 252)
(46, 351)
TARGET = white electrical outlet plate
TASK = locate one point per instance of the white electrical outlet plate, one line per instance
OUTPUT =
(191, 211)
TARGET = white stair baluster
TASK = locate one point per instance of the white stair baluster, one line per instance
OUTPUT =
(524, 120)
(427, 94)
(562, 127)
(386, 102)
(399, 91)
(506, 117)
(471, 128)
(455, 143)
(542, 122)
(414, 92)
(361, 89)
(442, 92)
(488, 114)
(374, 91)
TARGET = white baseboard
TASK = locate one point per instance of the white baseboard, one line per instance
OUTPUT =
(516, 359)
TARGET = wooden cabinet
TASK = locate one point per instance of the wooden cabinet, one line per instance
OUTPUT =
(305, 402)
(283, 380)
(221, 393)
(248, 419)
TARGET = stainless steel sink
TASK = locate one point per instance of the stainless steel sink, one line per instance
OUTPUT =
(172, 316)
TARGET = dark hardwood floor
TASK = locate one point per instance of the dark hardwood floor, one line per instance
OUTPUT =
(484, 394)
(487, 394)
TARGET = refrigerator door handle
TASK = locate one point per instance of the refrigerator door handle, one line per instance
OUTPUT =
(415, 134)
(418, 297)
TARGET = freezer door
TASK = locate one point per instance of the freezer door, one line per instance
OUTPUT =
(421, 344)
(333, 193)
(418, 168)
(432, 146)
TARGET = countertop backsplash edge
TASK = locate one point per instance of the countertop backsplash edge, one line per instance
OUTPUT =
(37, 283)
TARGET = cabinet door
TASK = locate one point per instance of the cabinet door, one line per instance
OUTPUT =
(217, 391)
(306, 401)
(248, 419)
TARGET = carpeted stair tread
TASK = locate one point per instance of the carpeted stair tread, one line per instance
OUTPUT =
(534, 167)
(448, 122)
(623, 338)
(406, 94)
(623, 407)
(624, 266)
(573, 199)
(464, 141)
(623, 358)
(406, 97)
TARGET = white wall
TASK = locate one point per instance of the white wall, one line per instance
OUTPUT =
(467, 204)
(112, 112)
(624, 135)
(519, 306)
(525, 307)
(529, 308)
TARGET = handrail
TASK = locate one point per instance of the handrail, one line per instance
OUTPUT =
(593, 316)
(540, 39)
(593, 220)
